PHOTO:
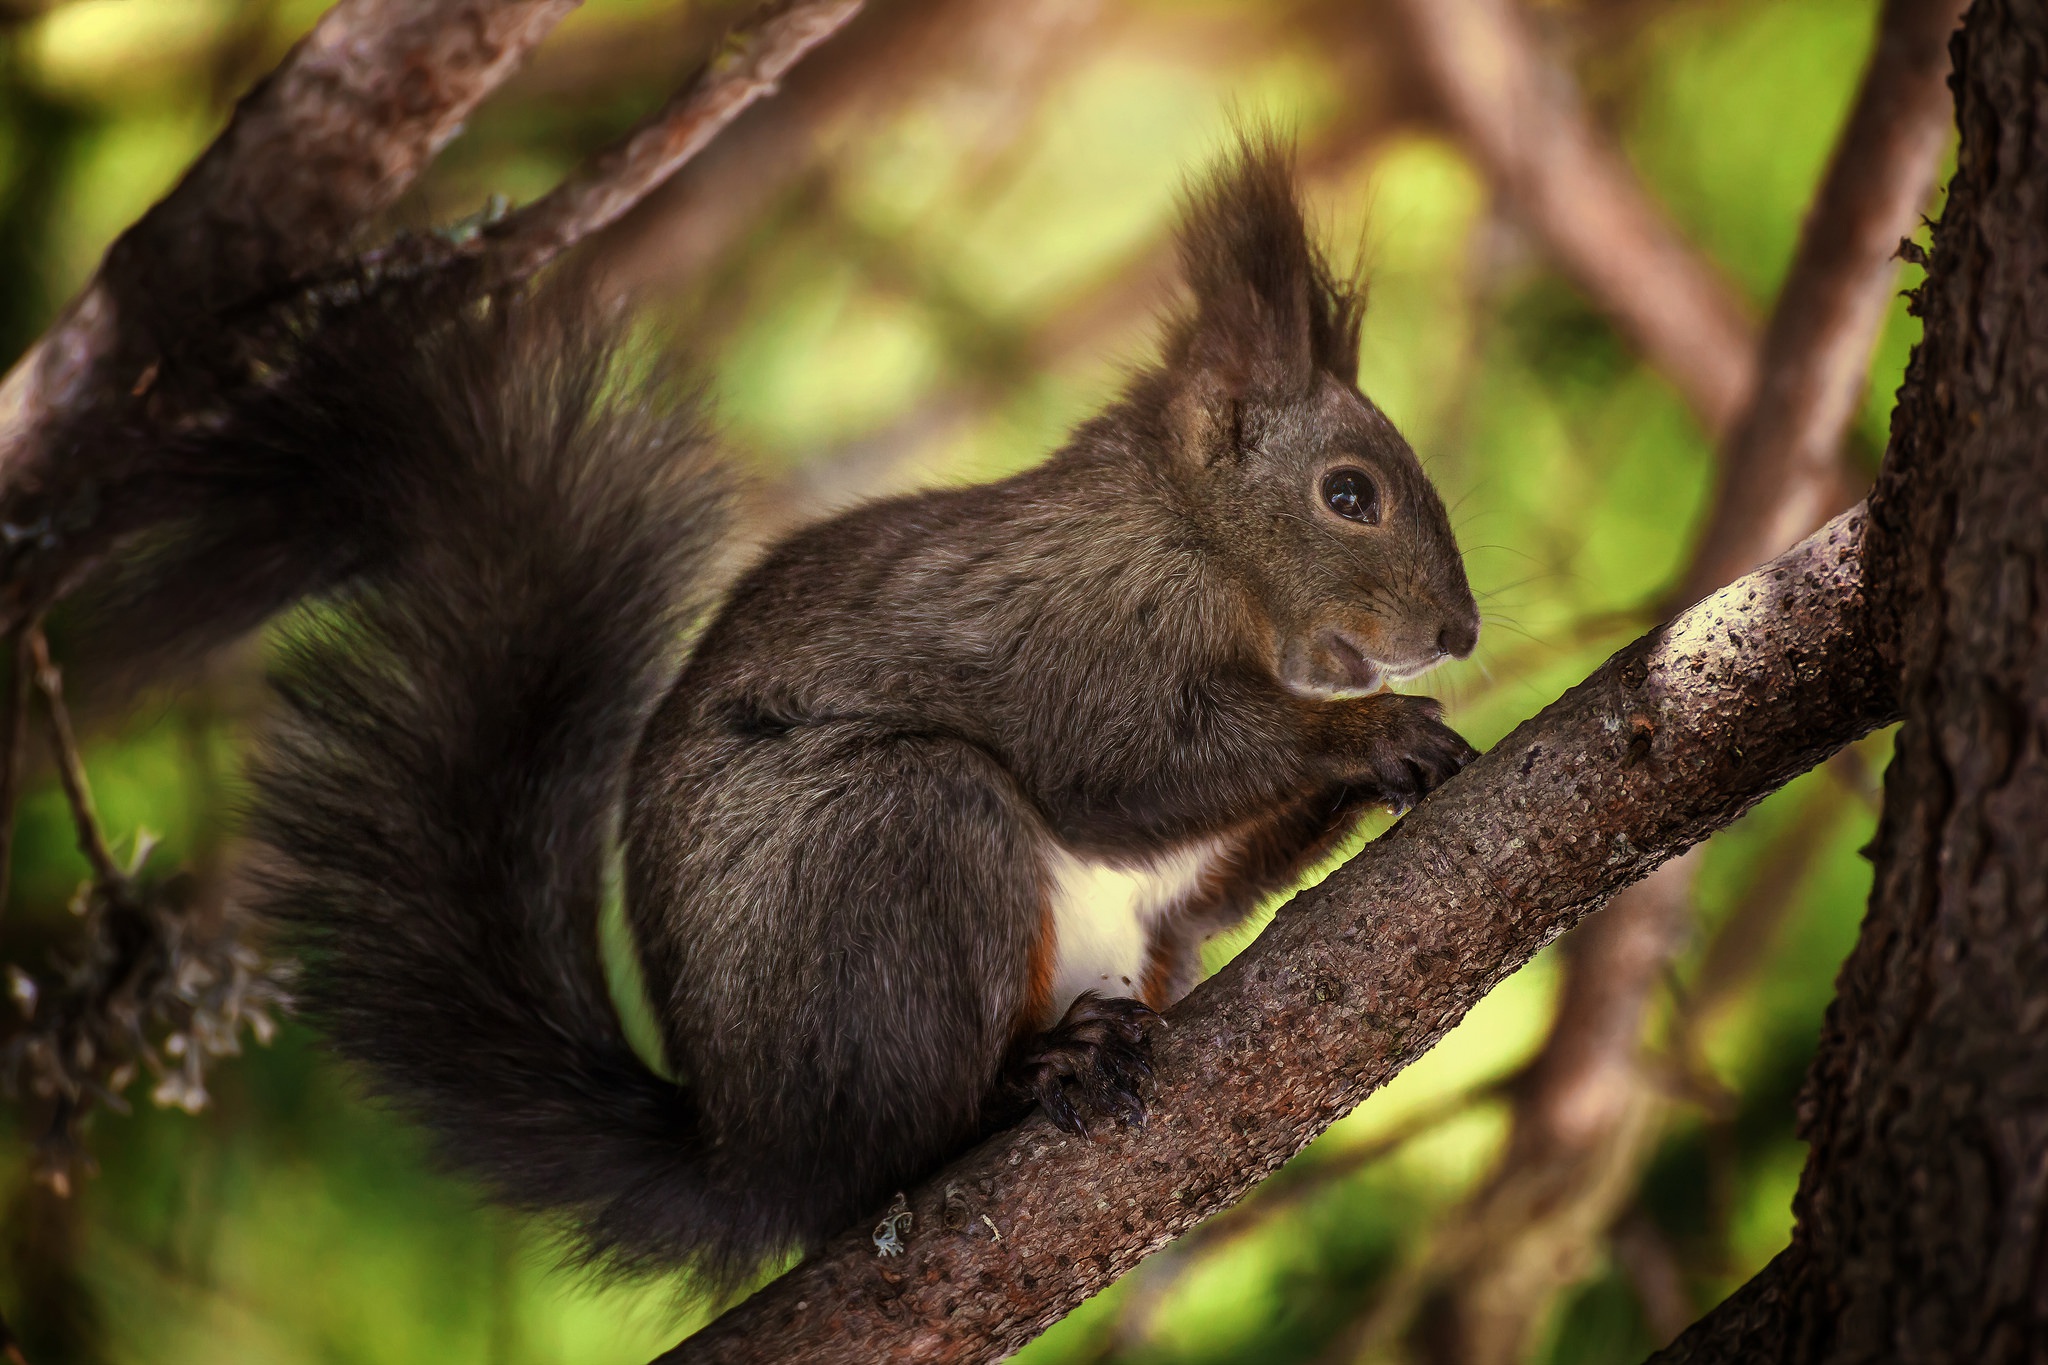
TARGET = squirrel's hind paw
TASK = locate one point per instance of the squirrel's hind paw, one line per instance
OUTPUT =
(1102, 1050)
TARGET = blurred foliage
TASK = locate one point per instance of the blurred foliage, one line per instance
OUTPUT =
(953, 281)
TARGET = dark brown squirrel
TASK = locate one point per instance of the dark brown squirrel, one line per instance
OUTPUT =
(937, 813)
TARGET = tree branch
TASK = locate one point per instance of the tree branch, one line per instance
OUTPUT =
(1672, 738)
(748, 67)
(331, 138)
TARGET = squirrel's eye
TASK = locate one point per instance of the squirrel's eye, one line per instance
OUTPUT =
(1352, 495)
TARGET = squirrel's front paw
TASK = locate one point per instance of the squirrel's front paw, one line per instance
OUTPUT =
(1413, 755)
(1101, 1049)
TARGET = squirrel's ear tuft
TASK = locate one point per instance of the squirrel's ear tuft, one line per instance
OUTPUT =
(1267, 311)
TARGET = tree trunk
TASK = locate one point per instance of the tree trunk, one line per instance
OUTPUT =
(1923, 1212)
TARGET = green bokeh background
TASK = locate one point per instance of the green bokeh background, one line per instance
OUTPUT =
(886, 325)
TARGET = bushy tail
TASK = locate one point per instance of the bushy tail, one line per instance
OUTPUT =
(528, 529)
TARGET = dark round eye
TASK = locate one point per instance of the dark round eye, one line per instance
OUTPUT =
(1352, 495)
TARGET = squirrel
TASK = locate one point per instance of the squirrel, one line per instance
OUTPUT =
(927, 824)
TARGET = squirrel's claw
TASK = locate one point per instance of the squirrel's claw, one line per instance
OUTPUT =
(1101, 1048)
(1418, 754)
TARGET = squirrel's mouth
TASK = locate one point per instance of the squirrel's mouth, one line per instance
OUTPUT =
(1361, 669)
(1367, 673)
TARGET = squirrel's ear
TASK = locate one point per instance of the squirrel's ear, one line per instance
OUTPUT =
(1206, 417)
(1267, 312)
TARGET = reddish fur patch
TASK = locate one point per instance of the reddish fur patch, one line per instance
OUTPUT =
(1032, 1017)
(1156, 986)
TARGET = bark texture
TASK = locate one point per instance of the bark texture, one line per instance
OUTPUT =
(1922, 1210)
(1672, 738)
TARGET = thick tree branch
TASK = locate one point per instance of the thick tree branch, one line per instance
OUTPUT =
(1672, 738)
(331, 138)
(1523, 121)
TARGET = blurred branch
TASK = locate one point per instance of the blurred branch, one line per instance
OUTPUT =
(1647, 1259)
(1284, 1191)
(92, 841)
(1781, 473)
(998, 51)
(1521, 118)
(1590, 1116)
(15, 739)
(1672, 738)
(1741, 947)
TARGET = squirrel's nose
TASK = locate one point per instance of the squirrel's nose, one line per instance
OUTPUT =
(1459, 638)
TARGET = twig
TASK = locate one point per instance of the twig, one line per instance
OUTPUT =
(15, 738)
(92, 841)
(1360, 975)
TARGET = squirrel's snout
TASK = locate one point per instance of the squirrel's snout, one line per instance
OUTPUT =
(1460, 637)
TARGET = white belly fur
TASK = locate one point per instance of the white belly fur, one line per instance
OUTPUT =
(1103, 913)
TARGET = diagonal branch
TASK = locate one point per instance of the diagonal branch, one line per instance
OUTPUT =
(1780, 468)
(1524, 123)
(1672, 738)
(747, 68)
(92, 839)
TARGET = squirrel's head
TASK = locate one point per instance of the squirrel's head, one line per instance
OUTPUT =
(1306, 490)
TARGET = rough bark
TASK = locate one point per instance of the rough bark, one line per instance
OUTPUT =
(1672, 738)
(1920, 1213)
